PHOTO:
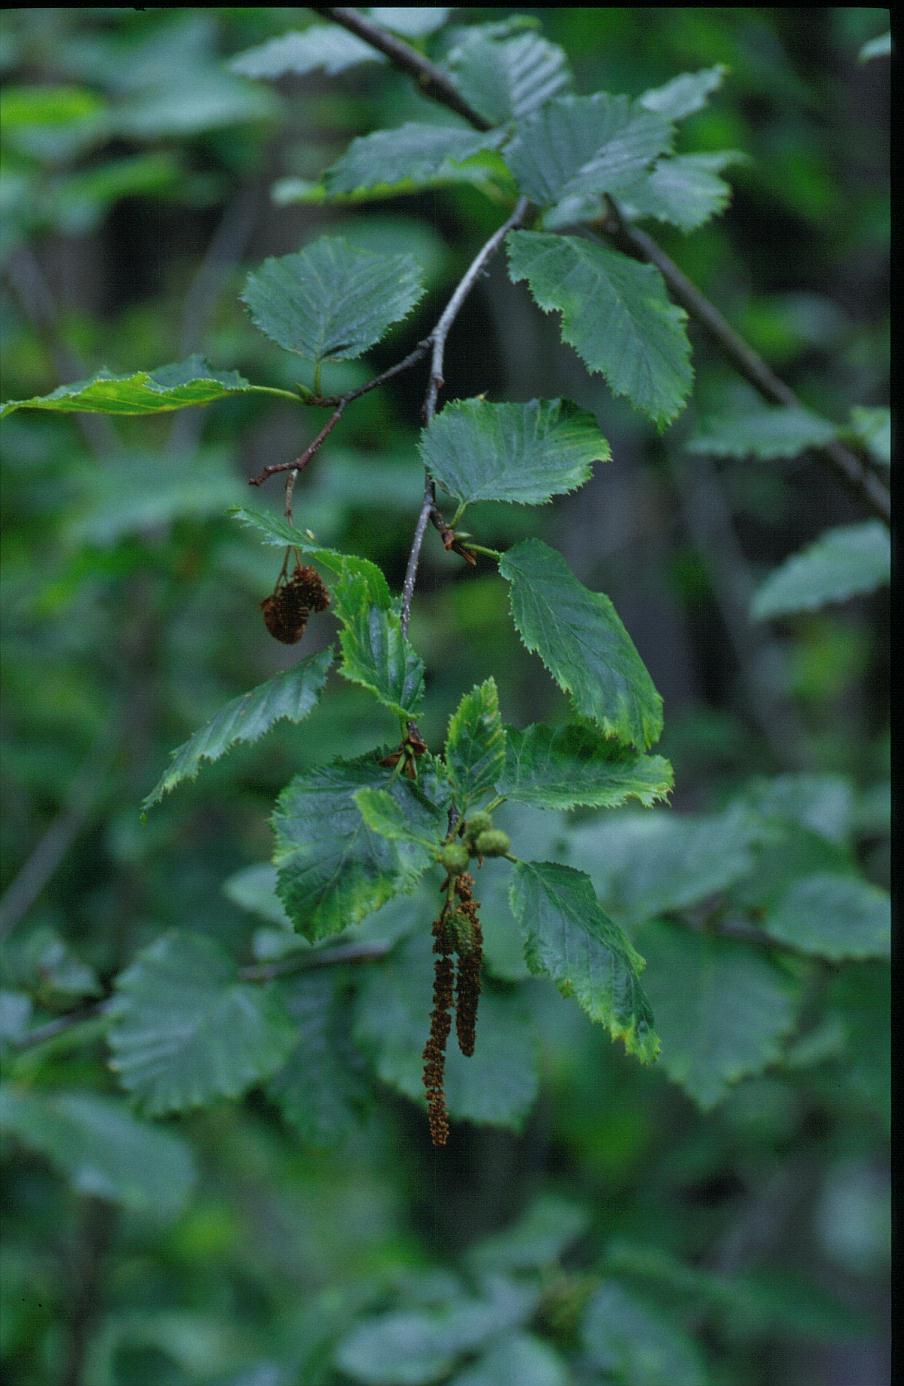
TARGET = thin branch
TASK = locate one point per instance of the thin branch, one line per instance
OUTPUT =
(431, 79)
(751, 366)
(854, 472)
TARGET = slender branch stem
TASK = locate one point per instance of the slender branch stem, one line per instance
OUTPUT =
(309, 962)
(847, 465)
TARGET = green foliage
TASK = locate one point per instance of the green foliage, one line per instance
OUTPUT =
(635, 1345)
(568, 765)
(512, 452)
(475, 746)
(290, 696)
(833, 916)
(507, 77)
(767, 432)
(375, 651)
(179, 386)
(583, 644)
(616, 315)
(331, 302)
(843, 562)
(685, 94)
(186, 1030)
(414, 156)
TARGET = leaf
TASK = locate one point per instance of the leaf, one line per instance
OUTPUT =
(584, 144)
(583, 644)
(322, 47)
(254, 889)
(290, 696)
(834, 916)
(643, 864)
(568, 937)
(415, 21)
(878, 47)
(179, 386)
(537, 1240)
(872, 428)
(615, 313)
(685, 191)
(375, 652)
(722, 1008)
(766, 431)
(495, 1087)
(185, 1029)
(322, 1089)
(824, 804)
(46, 965)
(414, 821)
(331, 301)
(521, 1358)
(475, 746)
(564, 766)
(412, 156)
(684, 94)
(507, 78)
(526, 453)
(273, 529)
(15, 1016)
(843, 562)
(102, 1148)
(636, 1344)
(333, 868)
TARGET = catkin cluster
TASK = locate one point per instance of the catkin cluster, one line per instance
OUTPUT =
(456, 933)
(288, 607)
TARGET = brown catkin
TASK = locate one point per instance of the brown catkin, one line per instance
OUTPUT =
(469, 945)
(440, 1026)
(287, 609)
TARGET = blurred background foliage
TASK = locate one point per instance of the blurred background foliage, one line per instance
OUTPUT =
(643, 1239)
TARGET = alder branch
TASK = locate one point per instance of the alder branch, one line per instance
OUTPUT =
(855, 473)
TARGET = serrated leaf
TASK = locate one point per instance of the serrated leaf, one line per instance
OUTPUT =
(685, 191)
(684, 94)
(766, 431)
(180, 386)
(322, 1089)
(644, 864)
(872, 428)
(824, 804)
(636, 1344)
(44, 963)
(615, 313)
(585, 144)
(507, 78)
(568, 937)
(415, 820)
(254, 889)
(521, 1358)
(526, 453)
(331, 301)
(475, 746)
(486, 172)
(722, 1007)
(582, 642)
(273, 529)
(833, 916)
(322, 47)
(496, 1086)
(185, 1029)
(290, 696)
(843, 562)
(376, 653)
(102, 1148)
(333, 869)
(538, 1238)
(413, 155)
(570, 765)
(414, 21)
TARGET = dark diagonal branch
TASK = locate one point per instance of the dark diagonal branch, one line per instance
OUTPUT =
(846, 464)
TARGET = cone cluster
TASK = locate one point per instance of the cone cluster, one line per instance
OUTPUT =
(289, 605)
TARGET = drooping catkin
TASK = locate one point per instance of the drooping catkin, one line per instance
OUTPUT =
(440, 1026)
(469, 946)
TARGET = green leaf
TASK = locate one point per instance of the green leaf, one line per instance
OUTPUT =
(273, 529)
(331, 301)
(179, 386)
(570, 765)
(507, 78)
(414, 21)
(644, 864)
(525, 453)
(765, 431)
(583, 644)
(323, 47)
(878, 47)
(833, 916)
(375, 651)
(495, 1087)
(722, 1008)
(415, 820)
(47, 966)
(636, 1344)
(684, 94)
(102, 1149)
(824, 804)
(333, 868)
(15, 1016)
(186, 1031)
(537, 1240)
(872, 428)
(289, 696)
(475, 746)
(412, 156)
(521, 1358)
(568, 937)
(842, 563)
(254, 889)
(615, 313)
(585, 144)
(685, 191)
(322, 1089)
